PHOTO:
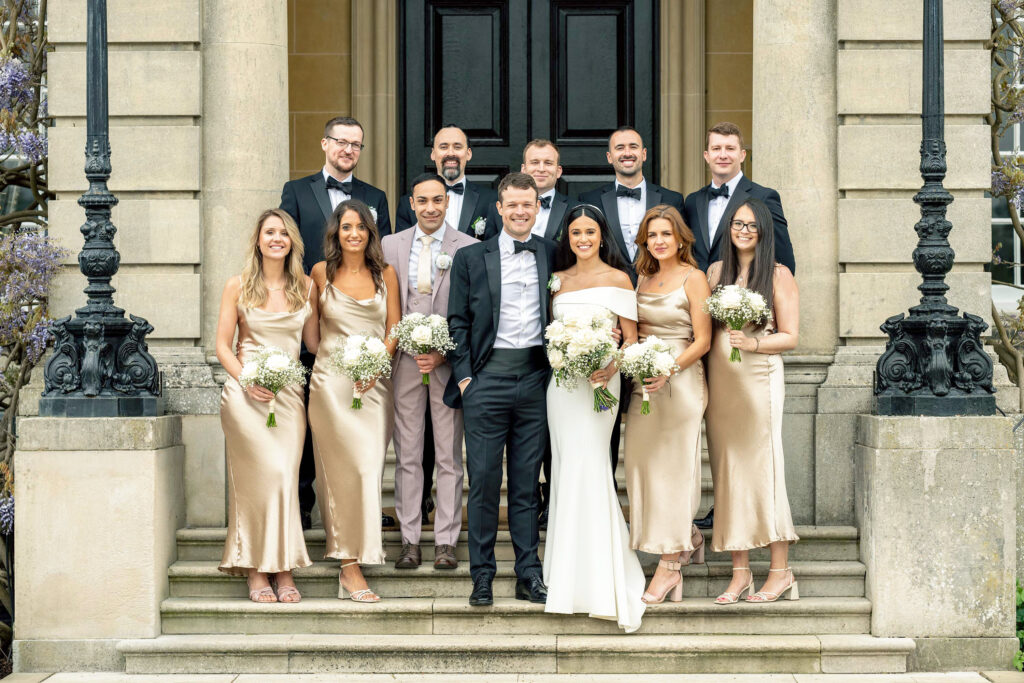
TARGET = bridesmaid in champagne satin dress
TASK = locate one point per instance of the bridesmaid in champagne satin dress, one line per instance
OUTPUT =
(744, 416)
(269, 304)
(358, 294)
(663, 470)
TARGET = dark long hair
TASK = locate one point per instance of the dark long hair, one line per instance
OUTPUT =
(374, 254)
(607, 252)
(762, 269)
(646, 264)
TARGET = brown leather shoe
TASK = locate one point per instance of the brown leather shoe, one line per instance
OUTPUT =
(409, 558)
(444, 557)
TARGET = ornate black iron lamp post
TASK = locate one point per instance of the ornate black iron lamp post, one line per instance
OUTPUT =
(934, 362)
(100, 365)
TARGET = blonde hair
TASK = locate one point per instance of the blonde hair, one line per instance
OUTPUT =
(646, 264)
(254, 290)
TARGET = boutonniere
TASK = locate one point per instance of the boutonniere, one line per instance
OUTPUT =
(443, 261)
(554, 284)
(373, 212)
(479, 225)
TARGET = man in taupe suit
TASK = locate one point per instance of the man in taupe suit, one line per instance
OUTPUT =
(422, 256)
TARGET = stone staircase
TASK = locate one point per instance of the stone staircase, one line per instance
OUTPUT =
(425, 625)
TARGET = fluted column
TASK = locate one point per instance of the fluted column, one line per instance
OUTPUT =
(374, 90)
(682, 95)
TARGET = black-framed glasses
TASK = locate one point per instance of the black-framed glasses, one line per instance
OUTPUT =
(740, 226)
(345, 144)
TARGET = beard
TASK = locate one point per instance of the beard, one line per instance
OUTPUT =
(450, 173)
(335, 165)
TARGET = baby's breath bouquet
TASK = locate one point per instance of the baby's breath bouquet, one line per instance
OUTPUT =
(273, 369)
(578, 345)
(736, 306)
(417, 333)
(361, 357)
(652, 357)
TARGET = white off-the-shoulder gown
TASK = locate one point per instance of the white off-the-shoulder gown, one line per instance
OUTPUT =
(588, 564)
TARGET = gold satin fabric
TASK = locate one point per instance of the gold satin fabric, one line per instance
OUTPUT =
(264, 528)
(349, 445)
(744, 425)
(663, 448)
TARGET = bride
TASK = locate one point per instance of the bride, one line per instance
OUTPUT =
(588, 564)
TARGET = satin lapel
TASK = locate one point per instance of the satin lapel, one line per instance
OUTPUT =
(702, 217)
(492, 262)
(357, 192)
(558, 208)
(447, 247)
(543, 273)
(653, 196)
(469, 198)
(404, 249)
(735, 200)
(319, 187)
(611, 212)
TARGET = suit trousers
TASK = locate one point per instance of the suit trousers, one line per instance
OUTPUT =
(504, 410)
(307, 465)
(413, 401)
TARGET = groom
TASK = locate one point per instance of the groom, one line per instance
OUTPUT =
(497, 311)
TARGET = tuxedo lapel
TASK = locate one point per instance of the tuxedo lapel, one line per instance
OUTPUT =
(735, 200)
(702, 217)
(447, 247)
(492, 262)
(611, 212)
(653, 196)
(469, 198)
(558, 207)
(319, 187)
(358, 191)
(543, 273)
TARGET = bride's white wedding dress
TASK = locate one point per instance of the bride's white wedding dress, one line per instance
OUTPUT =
(588, 564)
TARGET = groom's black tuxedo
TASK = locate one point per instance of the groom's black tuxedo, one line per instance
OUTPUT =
(696, 216)
(478, 201)
(306, 200)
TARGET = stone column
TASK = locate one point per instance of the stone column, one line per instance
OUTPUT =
(682, 95)
(935, 502)
(374, 91)
(99, 502)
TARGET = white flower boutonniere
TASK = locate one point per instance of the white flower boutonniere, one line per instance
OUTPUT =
(443, 261)
(554, 284)
(479, 225)
(373, 212)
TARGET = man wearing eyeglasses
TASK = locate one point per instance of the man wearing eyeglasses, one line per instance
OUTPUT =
(311, 200)
(708, 210)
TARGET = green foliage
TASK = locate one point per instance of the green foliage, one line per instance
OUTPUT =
(1018, 659)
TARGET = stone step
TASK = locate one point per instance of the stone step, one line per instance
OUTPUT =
(424, 616)
(523, 654)
(816, 543)
(202, 579)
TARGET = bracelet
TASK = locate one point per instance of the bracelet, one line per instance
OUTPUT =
(757, 344)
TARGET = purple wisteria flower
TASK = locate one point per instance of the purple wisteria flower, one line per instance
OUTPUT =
(1008, 182)
(15, 85)
(29, 261)
(1009, 7)
(32, 146)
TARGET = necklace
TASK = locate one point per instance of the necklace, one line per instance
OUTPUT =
(275, 289)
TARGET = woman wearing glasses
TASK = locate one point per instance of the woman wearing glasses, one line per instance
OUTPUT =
(744, 415)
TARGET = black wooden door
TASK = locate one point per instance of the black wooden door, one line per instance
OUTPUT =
(508, 71)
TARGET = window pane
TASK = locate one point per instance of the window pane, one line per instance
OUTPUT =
(1000, 208)
(1006, 141)
(1002, 245)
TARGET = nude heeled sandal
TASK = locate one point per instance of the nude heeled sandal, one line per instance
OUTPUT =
(768, 596)
(673, 592)
(364, 595)
(728, 598)
(695, 556)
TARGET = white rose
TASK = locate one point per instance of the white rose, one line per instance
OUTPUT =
(350, 356)
(249, 372)
(555, 331)
(373, 212)
(731, 298)
(663, 363)
(422, 334)
(277, 363)
(374, 345)
(757, 302)
(443, 261)
(556, 359)
(479, 226)
(554, 284)
(633, 352)
(436, 320)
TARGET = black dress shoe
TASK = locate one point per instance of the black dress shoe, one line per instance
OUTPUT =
(531, 588)
(307, 519)
(542, 520)
(482, 594)
(706, 522)
(386, 520)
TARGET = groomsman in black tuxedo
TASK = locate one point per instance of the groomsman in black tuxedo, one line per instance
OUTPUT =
(625, 201)
(541, 161)
(310, 201)
(497, 311)
(470, 206)
(708, 209)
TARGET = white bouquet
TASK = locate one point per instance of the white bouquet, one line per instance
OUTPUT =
(650, 358)
(578, 345)
(736, 306)
(273, 369)
(361, 358)
(417, 333)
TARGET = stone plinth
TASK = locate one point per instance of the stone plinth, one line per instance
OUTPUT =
(98, 504)
(935, 502)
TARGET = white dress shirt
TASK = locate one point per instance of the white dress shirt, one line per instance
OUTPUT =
(336, 196)
(414, 255)
(541, 226)
(716, 207)
(519, 316)
(631, 213)
(454, 212)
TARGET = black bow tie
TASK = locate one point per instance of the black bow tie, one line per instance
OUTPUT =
(722, 191)
(457, 188)
(631, 192)
(528, 245)
(545, 202)
(334, 184)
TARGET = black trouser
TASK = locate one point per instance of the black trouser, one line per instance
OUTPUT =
(428, 460)
(504, 410)
(626, 391)
(307, 466)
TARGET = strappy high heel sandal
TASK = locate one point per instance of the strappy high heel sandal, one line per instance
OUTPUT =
(673, 592)
(768, 596)
(695, 556)
(728, 598)
(289, 594)
(364, 595)
(265, 594)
